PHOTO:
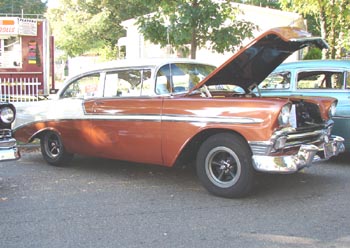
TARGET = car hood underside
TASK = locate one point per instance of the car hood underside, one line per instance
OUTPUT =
(257, 60)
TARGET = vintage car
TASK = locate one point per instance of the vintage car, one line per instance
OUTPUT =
(178, 111)
(315, 78)
(8, 145)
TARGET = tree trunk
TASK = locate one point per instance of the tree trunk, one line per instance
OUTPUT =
(194, 32)
(323, 28)
(193, 44)
(333, 30)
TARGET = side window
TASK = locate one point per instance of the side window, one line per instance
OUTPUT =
(279, 80)
(83, 87)
(126, 83)
(348, 79)
(320, 80)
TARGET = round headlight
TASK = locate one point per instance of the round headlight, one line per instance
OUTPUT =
(332, 109)
(283, 118)
(7, 115)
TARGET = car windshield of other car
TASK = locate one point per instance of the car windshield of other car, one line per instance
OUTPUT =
(276, 81)
(180, 77)
(320, 80)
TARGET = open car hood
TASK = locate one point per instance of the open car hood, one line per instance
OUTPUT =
(253, 63)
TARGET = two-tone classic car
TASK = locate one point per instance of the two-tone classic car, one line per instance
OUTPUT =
(8, 145)
(179, 111)
(315, 78)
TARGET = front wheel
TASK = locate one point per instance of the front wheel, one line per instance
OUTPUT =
(53, 150)
(224, 165)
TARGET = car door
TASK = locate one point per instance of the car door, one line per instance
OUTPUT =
(333, 82)
(69, 114)
(325, 82)
(126, 121)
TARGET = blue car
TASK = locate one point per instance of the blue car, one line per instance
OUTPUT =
(315, 78)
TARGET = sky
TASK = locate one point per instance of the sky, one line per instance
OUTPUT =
(52, 3)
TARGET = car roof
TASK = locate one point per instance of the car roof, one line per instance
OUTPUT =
(327, 63)
(137, 63)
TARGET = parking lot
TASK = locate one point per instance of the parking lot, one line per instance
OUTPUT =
(105, 203)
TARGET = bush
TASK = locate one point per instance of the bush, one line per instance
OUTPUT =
(313, 53)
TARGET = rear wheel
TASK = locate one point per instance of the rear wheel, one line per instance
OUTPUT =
(224, 165)
(53, 149)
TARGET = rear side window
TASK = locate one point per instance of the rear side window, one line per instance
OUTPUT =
(126, 83)
(86, 86)
(320, 80)
(348, 80)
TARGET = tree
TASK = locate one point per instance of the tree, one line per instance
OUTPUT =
(274, 4)
(93, 26)
(198, 23)
(333, 17)
(29, 7)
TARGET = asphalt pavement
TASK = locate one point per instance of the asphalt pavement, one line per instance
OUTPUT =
(105, 203)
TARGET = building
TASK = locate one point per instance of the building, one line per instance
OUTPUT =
(135, 46)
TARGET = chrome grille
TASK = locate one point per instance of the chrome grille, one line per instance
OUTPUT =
(5, 133)
(260, 148)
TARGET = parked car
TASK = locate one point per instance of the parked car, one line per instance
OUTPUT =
(8, 145)
(175, 111)
(315, 78)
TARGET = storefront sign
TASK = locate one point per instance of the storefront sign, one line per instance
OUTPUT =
(18, 26)
(27, 27)
(8, 26)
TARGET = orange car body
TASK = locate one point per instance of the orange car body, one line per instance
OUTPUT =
(162, 112)
(157, 130)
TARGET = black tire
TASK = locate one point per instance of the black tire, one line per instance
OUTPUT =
(224, 165)
(53, 150)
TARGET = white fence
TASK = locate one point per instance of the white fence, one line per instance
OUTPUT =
(19, 89)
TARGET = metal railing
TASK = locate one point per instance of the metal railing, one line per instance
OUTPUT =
(19, 89)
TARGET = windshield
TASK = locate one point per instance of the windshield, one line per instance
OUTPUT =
(180, 77)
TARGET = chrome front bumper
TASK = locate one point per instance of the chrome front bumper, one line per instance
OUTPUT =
(8, 150)
(306, 155)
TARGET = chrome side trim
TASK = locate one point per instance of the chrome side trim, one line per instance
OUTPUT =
(216, 119)
(155, 118)
(176, 118)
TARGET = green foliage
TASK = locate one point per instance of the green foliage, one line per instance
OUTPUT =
(273, 4)
(333, 18)
(29, 7)
(196, 22)
(92, 26)
(313, 53)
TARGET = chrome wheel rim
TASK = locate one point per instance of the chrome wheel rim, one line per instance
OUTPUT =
(223, 167)
(53, 146)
